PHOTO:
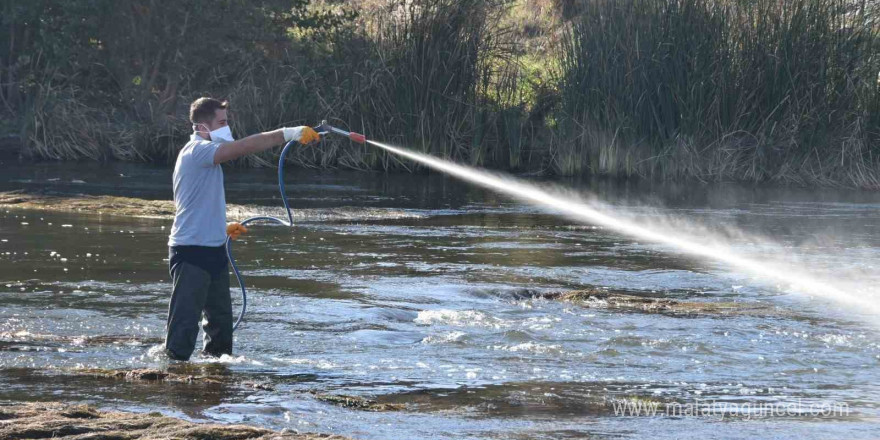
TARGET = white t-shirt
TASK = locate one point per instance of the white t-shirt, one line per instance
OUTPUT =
(199, 197)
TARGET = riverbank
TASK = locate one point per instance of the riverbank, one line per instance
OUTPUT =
(715, 91)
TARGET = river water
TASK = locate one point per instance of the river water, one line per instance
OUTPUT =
(423, 291)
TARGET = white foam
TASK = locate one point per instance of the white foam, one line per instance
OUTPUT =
(462, 318)
(317, 363)
(531, 347)
(444, 338)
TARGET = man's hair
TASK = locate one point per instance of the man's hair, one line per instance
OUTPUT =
(202, 109)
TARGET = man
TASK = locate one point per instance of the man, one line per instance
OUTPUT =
(197, 256)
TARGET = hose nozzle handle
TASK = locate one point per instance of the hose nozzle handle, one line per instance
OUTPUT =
(322, 128)
(354, 137)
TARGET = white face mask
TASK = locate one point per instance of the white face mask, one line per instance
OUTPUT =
(222, 134)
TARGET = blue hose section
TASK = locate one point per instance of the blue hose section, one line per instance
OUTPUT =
(288, 223)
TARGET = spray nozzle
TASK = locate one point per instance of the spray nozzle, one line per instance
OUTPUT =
(327, 128)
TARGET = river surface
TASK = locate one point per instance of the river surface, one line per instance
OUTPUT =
(420, 290)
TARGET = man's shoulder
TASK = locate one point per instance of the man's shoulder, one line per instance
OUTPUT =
(197, 152)
(197, 143)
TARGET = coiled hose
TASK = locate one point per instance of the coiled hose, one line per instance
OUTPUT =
(288, 223)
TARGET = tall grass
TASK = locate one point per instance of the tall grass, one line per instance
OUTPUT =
(417, 73)
(428, 67)
(750, 90)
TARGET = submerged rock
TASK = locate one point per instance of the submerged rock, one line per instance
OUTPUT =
(149, 375)
(356, 402)
(263, 386)
(597, 297)
(155, 375)
(59, 420)
(205, 376)
(25, 337)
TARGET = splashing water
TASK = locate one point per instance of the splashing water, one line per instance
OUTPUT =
(799, 280)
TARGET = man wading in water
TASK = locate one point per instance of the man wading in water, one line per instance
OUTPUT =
(196, 253)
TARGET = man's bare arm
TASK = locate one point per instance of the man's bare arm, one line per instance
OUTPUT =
(251, 144)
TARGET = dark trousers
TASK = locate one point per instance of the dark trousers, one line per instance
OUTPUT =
(197, 291)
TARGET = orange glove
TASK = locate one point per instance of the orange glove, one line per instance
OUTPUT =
(309, 135)
(233, 230)
(303, 134)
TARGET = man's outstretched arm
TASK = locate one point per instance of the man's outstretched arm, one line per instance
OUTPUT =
(251, 144)
(263, 141)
